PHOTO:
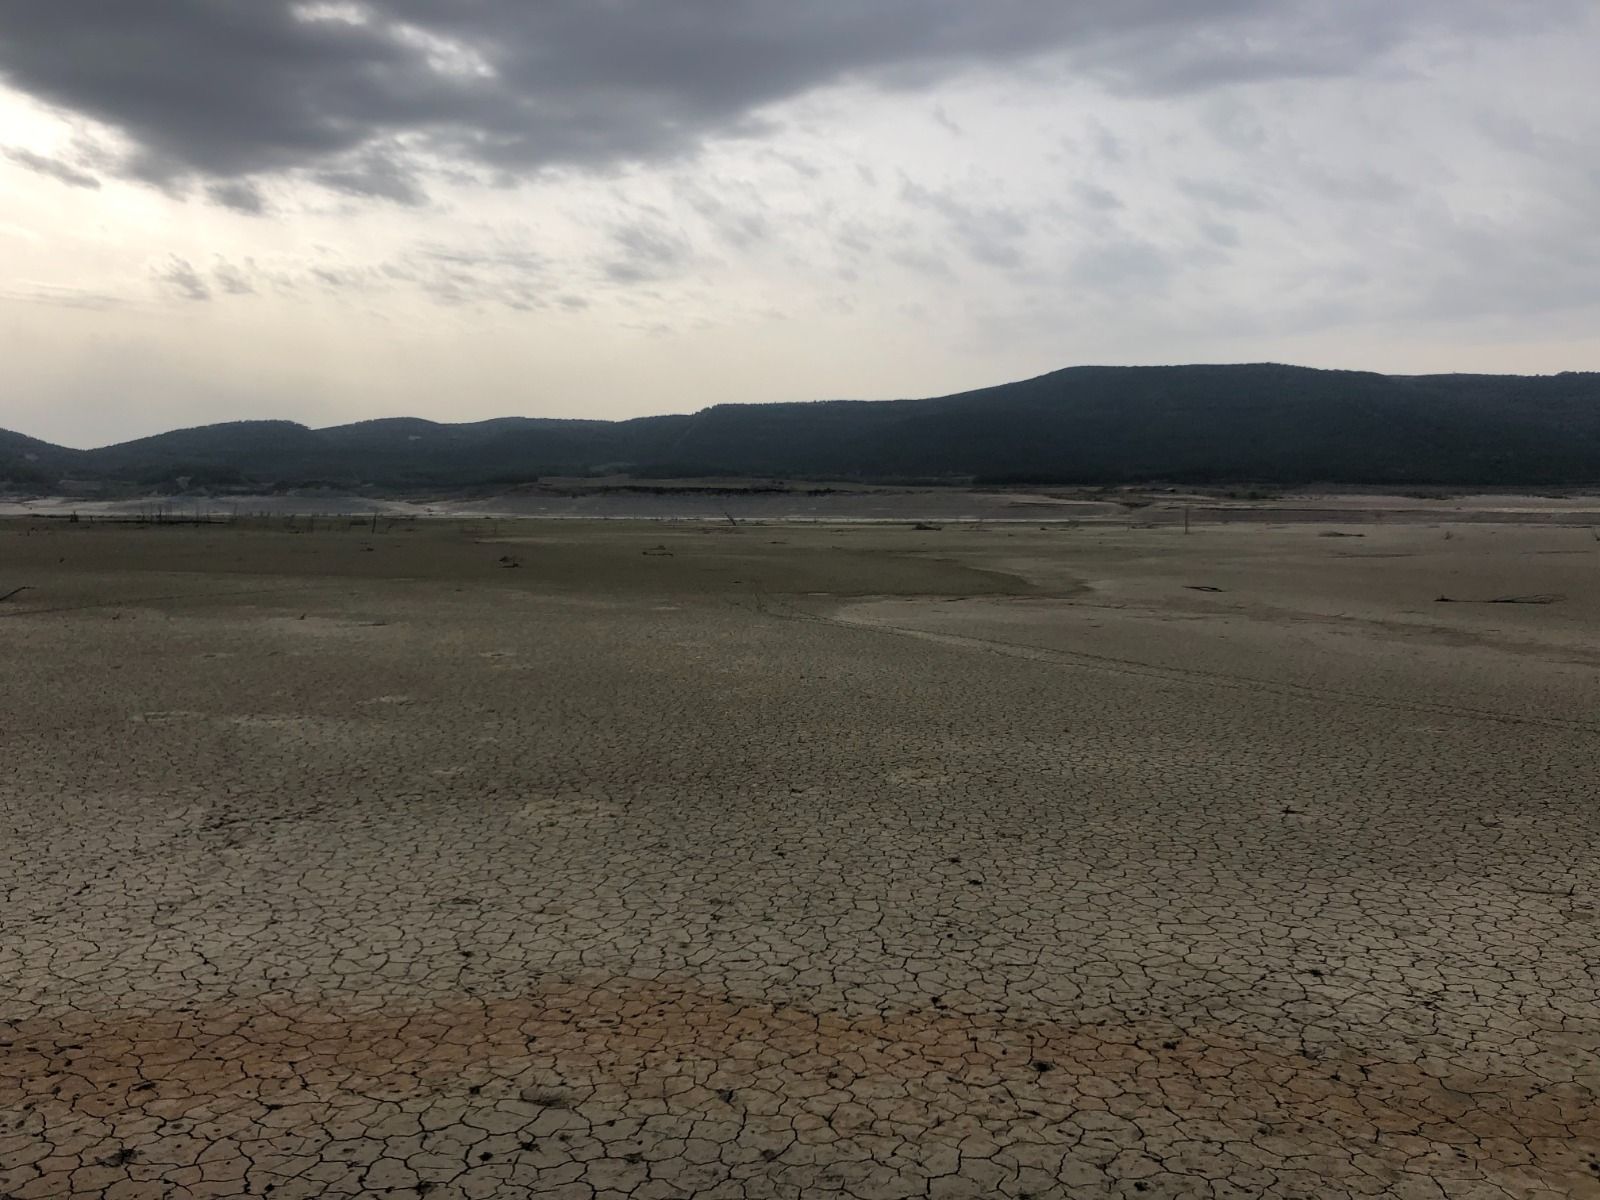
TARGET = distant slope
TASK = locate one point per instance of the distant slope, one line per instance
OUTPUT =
(1258, 422)
(30, 462)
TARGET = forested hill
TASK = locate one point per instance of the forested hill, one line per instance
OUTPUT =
(1199, 424)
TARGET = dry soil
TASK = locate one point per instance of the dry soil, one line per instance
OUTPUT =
(604, 861)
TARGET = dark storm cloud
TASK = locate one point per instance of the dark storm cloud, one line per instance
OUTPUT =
(360, 95)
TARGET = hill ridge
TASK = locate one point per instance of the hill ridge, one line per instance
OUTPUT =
(1259, 422)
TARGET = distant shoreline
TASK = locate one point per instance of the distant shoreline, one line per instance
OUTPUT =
(586, 500)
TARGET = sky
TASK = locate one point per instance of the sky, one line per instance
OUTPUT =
(460, 209)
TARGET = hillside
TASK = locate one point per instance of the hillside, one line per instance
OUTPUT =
(26, 461)
(1257, 423)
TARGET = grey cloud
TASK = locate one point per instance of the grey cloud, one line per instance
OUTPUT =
(53, 167)
(1229, 196)
(1098, 198)
(499, 273)
(991, 235)
(1220, 233)
(495, 258)
(232, 279)
(335, 278)
(375, 176)
(223, 90)
(179, 274)
(733, 211)
(60, 297)
(238, 194)
(1486, 268)
(943, 119)
(476, 270)
(1107, 144)
(920, 260)
(645, 251)
(1121, 265)
(859, 243)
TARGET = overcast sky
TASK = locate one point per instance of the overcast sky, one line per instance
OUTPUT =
(212, 209)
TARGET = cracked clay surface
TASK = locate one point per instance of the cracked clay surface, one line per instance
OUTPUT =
(796, 862)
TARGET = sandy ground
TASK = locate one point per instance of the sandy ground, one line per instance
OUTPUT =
(484, 859)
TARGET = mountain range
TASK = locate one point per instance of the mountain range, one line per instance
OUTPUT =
(1259, 422)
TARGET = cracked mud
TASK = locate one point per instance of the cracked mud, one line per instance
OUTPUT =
(797, 861)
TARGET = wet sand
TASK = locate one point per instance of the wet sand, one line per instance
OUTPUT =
(762, 500)
(483, 858)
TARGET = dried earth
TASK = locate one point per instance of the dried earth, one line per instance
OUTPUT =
(605, 861)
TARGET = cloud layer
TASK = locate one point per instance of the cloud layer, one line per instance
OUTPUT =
(371, 97)
(465, 208)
